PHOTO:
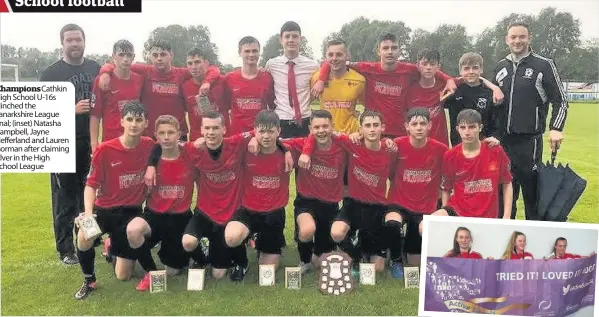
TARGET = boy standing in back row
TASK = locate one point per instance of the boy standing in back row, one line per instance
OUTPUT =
(473, 94)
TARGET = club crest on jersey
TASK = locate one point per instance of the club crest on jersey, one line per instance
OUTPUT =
(492, 167)
(481, 103)
(528, 73)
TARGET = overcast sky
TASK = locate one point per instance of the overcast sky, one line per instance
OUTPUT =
(229, 21)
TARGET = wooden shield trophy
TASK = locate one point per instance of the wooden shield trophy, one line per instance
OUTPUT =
(335, 274)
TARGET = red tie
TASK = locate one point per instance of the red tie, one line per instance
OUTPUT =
(293, 99)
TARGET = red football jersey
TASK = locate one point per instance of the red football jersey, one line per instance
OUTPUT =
(161, 93)
(108, 105)
(118, 173)
(465, 255)
(174, 185)
(385, 90)
(521, 256)
(190, 90)
(368, 170)
(247, 97)
(475, 182)
(417, 175)
(324, 179)
(418, 96)
(568, 256)
(266, 184)
(219, 181)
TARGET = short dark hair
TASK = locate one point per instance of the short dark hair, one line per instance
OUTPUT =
(418, 112)
(519, 23)
(196, 51)
(70, 27)
(387, 37)
(247, 40)
(134, 108)
(469, 116)
(123, 46)
(160, 43)
(290, 26)
(267, 119)
(370, 113)
(428, 54)
(213, 114)
(323, 114)
(336, 42)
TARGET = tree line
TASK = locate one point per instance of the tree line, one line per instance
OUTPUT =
(553, 34)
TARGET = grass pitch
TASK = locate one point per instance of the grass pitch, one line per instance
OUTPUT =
(35, 283)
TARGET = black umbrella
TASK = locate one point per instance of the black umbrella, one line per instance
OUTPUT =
(559, 188)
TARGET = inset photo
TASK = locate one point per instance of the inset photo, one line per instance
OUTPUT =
(479, 266)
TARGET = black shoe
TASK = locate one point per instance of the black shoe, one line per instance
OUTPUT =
(238, 273)
(85, 290)
(70, 259)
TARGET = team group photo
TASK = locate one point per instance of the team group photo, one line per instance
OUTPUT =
(257, 189)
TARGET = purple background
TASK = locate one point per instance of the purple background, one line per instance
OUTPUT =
(480, 275)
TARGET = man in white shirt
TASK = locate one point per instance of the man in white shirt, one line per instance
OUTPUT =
(292, 70)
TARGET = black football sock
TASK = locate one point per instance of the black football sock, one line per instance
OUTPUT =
(394, 236)
(239, 255)
(87, 262)
(198, 256)
(145, 259)
(347, 246)
(305, 250)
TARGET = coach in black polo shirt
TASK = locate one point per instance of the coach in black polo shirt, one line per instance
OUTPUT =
(67, 188)
(529, 82)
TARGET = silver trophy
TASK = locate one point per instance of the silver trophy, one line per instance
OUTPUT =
(293, 278)
(195, 279)
(411, 275)
(267, 274)
(204, 104)
(90, 227)
(157, 281)
(367, 274)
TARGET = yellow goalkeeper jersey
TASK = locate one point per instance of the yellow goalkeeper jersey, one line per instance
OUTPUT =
(340, 97)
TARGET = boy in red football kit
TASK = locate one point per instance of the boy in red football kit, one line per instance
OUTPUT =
(198, 67)
(161, 92)
(265, 194)
(247, 90)
(365, 210)
(387, 82)
(473, 171)
(117, 175)
(319, 190)
(167, 209)
(415, 184)
(426, 92)
(107, 105)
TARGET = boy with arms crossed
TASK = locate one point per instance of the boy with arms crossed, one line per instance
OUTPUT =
(117, 175)
(472, 173)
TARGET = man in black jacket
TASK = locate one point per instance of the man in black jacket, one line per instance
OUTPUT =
(530, 82)
(67, 188)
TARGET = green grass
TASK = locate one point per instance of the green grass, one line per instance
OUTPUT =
(35, 283)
